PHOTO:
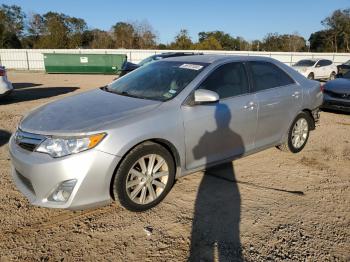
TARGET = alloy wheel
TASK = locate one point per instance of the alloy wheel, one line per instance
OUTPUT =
(300, 133)
(147, 179)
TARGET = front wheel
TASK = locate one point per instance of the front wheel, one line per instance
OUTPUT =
(311, 76)
(144, 177)
(332, 76)
(298, 134)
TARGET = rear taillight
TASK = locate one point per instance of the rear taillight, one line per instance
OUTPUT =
(2, 72)
(322, 87)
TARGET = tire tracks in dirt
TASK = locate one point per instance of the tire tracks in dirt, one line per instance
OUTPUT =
(59, 220)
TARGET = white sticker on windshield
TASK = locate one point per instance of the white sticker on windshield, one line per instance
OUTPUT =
(172, 91)
(191, 66)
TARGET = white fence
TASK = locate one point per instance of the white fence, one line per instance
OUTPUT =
(32, 59)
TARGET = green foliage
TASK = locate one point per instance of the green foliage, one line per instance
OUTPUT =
(11, 26)
(321, 41)
(57, 30)
(182, 41)
(337, 34)
(209, 43)
(284, 43)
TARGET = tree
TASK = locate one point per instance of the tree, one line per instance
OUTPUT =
(284, 43)
(145, 36)
(55, 32)
(124, 35)
(100, 39)
(338, 26)
(12, 18)
(182, 41)
(321, 41)
(210, 43)
(226, 41)
(76, 27)
(256, 45)
(11, 26)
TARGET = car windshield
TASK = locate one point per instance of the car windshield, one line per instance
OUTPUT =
(347, 75)
(305, 63)
(347, 62)
(160, 81)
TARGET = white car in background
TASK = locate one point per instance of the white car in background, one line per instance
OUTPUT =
(316, 68)
(5, 85)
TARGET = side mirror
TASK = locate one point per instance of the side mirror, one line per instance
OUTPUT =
(202, 96)
(318, 65)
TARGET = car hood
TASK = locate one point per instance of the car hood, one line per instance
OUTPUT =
(84, 113)
(340, 85)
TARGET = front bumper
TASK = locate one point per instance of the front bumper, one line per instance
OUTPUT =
(37, 175)
(336, 103)
(5, 87)
(6, 93)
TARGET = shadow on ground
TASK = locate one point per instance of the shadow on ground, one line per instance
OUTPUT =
(31, 94)
(24, 85)
(4, 137)
(215, 232)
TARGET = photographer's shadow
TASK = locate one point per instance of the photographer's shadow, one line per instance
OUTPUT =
(215, 229)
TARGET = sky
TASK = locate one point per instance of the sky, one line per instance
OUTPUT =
(251, 19)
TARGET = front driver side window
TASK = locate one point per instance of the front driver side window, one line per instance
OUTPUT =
(228, 80)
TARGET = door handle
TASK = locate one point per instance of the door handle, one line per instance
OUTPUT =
(250, 106)
(296, 94)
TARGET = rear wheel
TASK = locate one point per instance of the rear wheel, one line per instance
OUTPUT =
(144, 177)
(298, 134)
(311, 76)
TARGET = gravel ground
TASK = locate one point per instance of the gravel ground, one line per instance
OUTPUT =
(281, 207)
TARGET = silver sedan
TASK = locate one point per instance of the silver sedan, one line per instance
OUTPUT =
(130, 140)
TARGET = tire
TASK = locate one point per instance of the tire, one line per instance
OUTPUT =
(332, 76)
(135, 185)
(290, 145)
(311, 76)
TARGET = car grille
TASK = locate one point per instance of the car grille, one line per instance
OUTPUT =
(28, 141)
(338, 95)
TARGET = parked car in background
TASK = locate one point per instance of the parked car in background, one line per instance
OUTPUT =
(5, 85)
(316, 68)
(337, 94)
(343, 68)
(130, 140)
(128, 66)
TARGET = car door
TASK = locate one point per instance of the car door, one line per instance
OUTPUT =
(222, 130)
(279, 99)
(322, 69)
(328, 68)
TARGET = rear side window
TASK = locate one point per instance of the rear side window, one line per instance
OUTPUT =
(228, 80)
(327, 62)
(266, 75)
(324, 63)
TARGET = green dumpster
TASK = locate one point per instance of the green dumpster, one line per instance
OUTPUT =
(83, 63)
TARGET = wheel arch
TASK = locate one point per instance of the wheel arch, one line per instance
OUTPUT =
(163, 142)
(309, 113)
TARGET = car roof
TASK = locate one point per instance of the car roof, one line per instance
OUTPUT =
(216, 58)
(170, 54)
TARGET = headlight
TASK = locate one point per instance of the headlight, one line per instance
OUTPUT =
(304, 70)
(63, 146)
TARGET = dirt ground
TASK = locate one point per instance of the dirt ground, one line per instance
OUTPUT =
(281, 207)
